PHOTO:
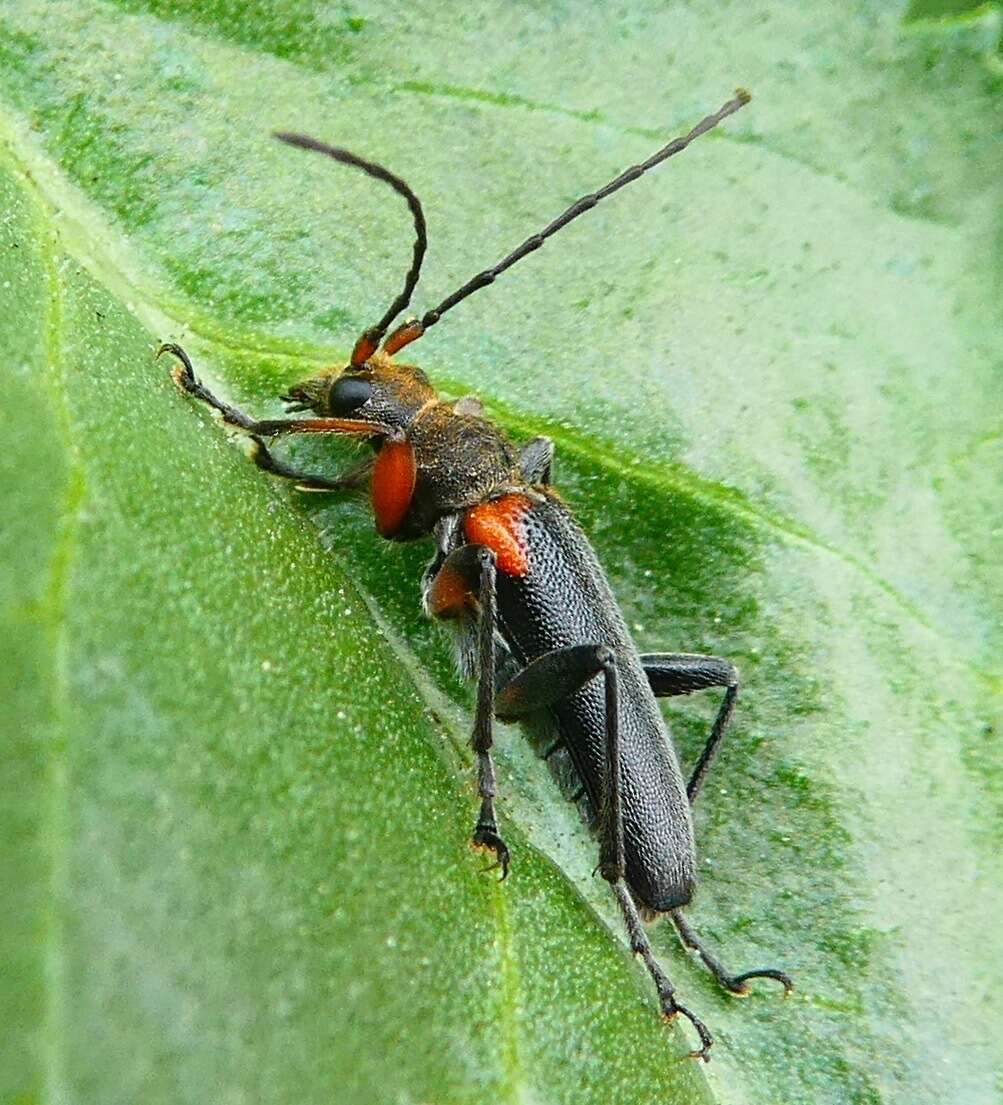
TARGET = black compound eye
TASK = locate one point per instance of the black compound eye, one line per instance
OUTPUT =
(347, 393)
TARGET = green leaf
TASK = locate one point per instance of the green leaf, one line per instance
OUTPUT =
(238, 795)
(946, 9)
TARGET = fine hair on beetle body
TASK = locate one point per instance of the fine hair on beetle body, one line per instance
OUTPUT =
(536, 623)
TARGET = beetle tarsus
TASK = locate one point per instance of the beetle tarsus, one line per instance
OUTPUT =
(487, 836)
(734, 984)
(183, 373)
(738, 983)
(184, 376)
(670, 1011)
(640, 945)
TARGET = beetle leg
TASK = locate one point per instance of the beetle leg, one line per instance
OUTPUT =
(674, 673)
(550, 679)
(736, 984)
(547, 680)
(185, 378)
(462, 581)
(486, 833)
(612, 868)
(640, 945)
(354, 477)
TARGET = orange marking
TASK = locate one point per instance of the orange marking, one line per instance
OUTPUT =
(497, 524)
(394, 478)
(403, 335)
(365, 347)
(449, 594)
(358, 427)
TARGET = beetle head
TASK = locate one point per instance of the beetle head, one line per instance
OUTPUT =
(379, 391)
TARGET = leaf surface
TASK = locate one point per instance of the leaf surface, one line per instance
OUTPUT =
(239, 791)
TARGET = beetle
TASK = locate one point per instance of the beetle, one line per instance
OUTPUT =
(535, 619)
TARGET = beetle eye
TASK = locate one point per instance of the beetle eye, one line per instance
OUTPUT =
(347, 393)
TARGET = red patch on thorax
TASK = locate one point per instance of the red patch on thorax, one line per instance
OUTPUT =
(394, 478)
(497, 524)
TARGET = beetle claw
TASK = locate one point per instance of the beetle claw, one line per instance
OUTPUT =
(738, 984)
(670, 1008)
(183, 373)
(489, 838)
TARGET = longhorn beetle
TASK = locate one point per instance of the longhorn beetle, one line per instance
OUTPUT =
(536, 622)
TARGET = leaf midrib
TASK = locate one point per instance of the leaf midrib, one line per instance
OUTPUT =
(54, 603)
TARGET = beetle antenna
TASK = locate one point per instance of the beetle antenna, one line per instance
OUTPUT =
(368, 343)
(413, 330)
